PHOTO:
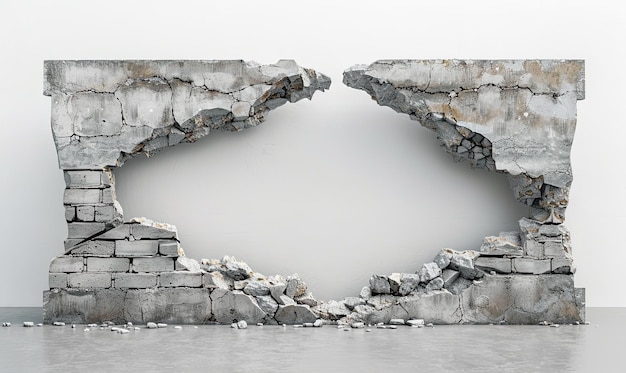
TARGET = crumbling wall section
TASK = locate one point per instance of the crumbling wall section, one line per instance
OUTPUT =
(105, 112)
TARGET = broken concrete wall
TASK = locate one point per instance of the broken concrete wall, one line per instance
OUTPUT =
(509, 116)
(512, 117)
(105, 112)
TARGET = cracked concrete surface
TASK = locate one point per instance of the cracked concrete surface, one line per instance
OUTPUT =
(513, 117)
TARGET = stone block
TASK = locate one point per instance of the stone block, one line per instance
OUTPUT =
(142, 231)
(138, 248)
(83, 178)
(443, 258)
(429, 271)
(94, 248)
(564, 265)
(294, 314)
(155, 264)
(108, 195)
(95, 264)
(408, 283)
(89, 280)
(533, 249)
(522, 299)
(507, 243)
(81, 196)
(217, 280)
(180, 279)
(66, 264)
(85, 213)
(84, 230)
(380, 284)
(553, 249)
(500, 265)
(121, 232)
(72, 242)
(172, 306)
(267, 304)
(57, 280)
(531, 266)
(104, 213)
(169, 248)
(80, 306)
(135, 280)
(449, 276)
(70, 213)
(231, 306)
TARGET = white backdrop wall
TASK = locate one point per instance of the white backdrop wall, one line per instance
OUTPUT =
(336, 188)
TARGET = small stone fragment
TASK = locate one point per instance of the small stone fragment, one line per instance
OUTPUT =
(242, 324)
(396, 322)
(151, 325)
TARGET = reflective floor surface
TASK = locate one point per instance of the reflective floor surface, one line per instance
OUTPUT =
(497, 348)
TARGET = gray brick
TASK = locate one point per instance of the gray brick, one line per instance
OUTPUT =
(104, 213)
(89, 280)
(532, 266)
(70, 213)
(563, 265)
(72, 242)
(533, 249)
(108, 195)
(107, 177)
(118, 233)
(95, 248)
(84, 230)
(180, 279)
(169, 248)
(156, 264)
(501, 265)
(108, 264)
(66, 264)
(83, 179)
(140, 231)
(554, 249)
(85, 213)
(81, 196)
(57, 280)
(135, 280)
(136, 248)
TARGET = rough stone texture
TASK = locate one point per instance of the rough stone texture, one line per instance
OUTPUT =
(510, 116)
(105, 112)
(295, 314)
(232, 306)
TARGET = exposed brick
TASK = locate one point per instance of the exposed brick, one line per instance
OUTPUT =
(89, 280)
(104, 213)
(70, 213)
(81, 196)
(72, 242)
(140, 231)
(533, 249)
(135, 280)
(531, 266)
(108, 264)
(501, 265)
(136, 248)
(169, 248)
(66, 264)
(57, 280)
(95, 248)
(108, 195)
(156, 264)
(554, 249)
(85, 213)
(84, 230)
(83, 179)
(180, 279)
(118, 233)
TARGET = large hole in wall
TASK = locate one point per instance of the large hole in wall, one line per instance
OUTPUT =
(335, 190)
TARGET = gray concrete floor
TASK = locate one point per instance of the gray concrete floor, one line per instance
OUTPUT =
(567, 348)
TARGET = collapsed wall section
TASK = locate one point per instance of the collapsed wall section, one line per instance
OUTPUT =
(516, 117)
(105, 112)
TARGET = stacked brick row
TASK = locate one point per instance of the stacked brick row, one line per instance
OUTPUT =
(90, 204)
(139, 254)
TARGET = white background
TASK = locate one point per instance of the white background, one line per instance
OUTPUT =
(336, 188)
